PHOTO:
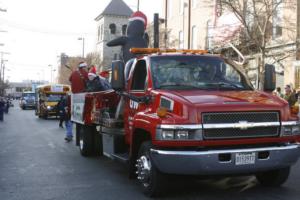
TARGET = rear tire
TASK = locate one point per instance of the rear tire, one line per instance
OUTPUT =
(86, 140)
(274, 177)
(151, 180)
(77, 135)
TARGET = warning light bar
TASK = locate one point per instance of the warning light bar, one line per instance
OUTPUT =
(158, 50)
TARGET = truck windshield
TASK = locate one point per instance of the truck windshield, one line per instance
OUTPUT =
(195, 72)
(53, 97)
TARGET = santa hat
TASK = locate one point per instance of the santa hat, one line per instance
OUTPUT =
(104, 74)
(82, 64)
(93, 72)
(138, 15)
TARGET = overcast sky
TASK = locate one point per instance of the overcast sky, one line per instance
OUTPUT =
(39, 30)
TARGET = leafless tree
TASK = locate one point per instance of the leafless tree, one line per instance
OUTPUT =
(263, 23)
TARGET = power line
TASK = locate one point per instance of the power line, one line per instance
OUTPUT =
(25, 27)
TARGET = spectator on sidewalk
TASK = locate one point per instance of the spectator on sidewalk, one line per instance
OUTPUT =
(289, 95)
(61, 111)
(2, 104)
(6, 107)
(68, 122)
(278, 93)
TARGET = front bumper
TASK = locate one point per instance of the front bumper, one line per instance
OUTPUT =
(209, 162)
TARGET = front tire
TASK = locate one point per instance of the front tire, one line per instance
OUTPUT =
(274, 177)
(86, 142)
(151, 180)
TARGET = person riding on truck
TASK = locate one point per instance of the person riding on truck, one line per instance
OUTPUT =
(96, 83)
(79, 78)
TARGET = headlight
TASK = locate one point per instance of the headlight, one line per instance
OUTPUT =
(290, 128)
(185, 132)
(49, 107)
(167, 134)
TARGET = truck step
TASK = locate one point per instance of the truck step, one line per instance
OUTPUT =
(122, 157)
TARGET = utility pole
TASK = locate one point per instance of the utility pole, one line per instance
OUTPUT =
(138, 5)
(166, 24)
(156, 31)
(189, 23)
(298, 32)
(82, 38)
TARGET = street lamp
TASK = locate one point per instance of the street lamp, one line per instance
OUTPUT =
(50, 72)
(82, 38)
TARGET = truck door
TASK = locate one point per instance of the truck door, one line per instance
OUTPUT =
(136, 86)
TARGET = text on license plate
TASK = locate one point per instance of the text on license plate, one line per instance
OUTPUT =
(244, 158)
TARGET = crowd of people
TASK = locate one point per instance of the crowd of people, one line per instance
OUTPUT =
(290, 95)
(84, 79)
(4, 107)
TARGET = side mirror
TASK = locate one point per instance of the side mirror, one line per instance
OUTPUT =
(270, 78)
(118, 79)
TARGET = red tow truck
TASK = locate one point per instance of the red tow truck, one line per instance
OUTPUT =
(188, 112)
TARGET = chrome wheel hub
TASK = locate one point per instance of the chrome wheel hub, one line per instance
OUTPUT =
(143, 166)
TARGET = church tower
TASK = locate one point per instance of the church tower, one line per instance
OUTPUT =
(111, 23)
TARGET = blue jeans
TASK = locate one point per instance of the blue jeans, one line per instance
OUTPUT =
(69, 127)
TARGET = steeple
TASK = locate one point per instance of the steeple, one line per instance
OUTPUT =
(116, 8)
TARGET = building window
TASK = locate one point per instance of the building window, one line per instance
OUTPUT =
(194, 37)
(124, 28)
(98, 35)
(169, 8)
(278, 19)
(209, 37)
(181, 7)
(181, 40)
(112, 28)
(101, 32)
(194, 3)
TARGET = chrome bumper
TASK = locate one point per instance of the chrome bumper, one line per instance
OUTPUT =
(209, 163)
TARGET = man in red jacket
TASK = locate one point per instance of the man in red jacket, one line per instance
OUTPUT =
(79, 78)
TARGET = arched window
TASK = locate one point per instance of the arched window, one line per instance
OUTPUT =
(124, 28)
(99, 33)
(112, 28)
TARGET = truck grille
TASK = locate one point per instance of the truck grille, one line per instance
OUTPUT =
(236, 118)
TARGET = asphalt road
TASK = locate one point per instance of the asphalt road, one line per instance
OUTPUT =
(36, 163)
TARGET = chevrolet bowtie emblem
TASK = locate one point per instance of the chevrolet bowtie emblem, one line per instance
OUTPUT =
(243, 125)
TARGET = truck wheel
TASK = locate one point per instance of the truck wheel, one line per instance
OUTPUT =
(274, 177)
(151, 180)
(86, 143)
(77, 134)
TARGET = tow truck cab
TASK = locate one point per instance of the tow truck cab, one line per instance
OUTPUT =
(192, 114)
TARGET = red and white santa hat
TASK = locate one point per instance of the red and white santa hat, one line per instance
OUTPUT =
(138, 15)
(93, 72)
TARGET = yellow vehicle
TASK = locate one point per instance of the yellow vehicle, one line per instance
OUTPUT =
(47, 98)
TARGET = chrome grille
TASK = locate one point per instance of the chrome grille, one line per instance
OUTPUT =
(215, 118)
(236, 118)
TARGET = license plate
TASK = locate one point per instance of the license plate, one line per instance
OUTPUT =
(244, 158)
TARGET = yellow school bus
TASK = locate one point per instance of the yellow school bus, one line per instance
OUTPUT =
(47, 98)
